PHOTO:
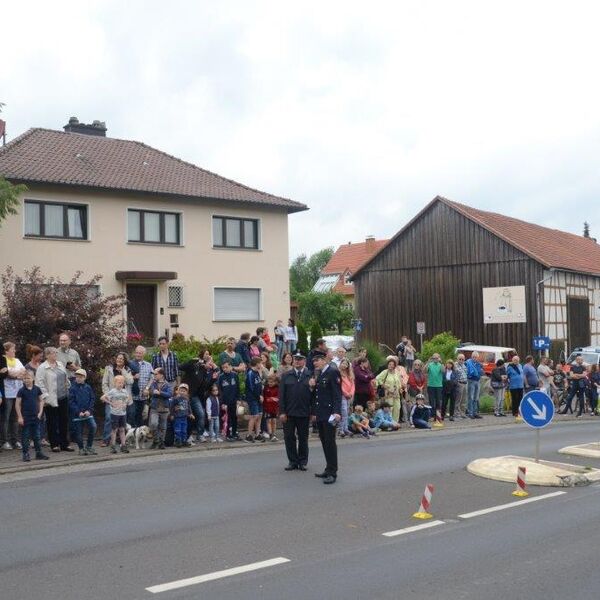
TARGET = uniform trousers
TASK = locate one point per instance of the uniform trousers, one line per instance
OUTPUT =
(295, 436)
(327, 436)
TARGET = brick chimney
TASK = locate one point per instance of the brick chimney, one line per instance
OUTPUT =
(370, 244)
(97, 128)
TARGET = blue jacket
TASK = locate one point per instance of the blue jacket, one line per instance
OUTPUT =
(515, 376)
(382, 417)
(253, 386)
(531, 376)
(160, 402)
(81, 399)
(474, 369)
(229, 388)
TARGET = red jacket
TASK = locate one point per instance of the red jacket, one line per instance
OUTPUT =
(271, 399)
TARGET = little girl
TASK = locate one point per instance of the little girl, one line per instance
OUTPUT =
(347, 376)
(271, 405)
(213, 410)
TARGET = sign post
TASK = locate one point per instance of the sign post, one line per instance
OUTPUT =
(421, 332)
(537, 410)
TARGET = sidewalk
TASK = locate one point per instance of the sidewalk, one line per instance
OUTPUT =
(11, 460)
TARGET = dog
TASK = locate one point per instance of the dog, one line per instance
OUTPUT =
(138, 436)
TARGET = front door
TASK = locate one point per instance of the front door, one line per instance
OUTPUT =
(578, 315)
(141, 310)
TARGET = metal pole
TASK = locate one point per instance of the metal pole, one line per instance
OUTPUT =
(421, 336)
(537, 445)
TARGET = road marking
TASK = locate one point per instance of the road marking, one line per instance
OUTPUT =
(175, 585)
(413, 528)
(492, 509)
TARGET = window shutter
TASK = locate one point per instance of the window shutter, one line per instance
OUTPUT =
(237, 304)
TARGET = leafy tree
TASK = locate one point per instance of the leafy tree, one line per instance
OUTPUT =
(302, 339)
(445, 344)
(374, 353)
(9, 198)
(305, 271)
(325, 308)
(315, 333)
(36, 309)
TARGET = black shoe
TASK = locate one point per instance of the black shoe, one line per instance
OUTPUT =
(125, 449)
(329, 479)
(478, 417)
(291, 467)
(26, 457)
(321, 475)
(450, 418)
(161, 446)
(68, 449)
(41, 456)
(301, 467)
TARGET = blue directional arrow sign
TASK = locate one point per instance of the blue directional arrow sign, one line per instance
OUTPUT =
(537, 409)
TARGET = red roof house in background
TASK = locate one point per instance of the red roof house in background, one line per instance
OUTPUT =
(347, 259)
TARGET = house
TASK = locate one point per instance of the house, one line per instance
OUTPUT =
(192, 251)
(487, 277)
(336, 275)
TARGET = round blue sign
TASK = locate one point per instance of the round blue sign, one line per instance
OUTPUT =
(537, 409)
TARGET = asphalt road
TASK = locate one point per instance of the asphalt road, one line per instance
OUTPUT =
(115, 530)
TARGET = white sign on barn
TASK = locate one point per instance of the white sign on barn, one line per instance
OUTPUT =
(504, 305)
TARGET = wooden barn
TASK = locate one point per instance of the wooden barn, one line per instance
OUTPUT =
(489, 278)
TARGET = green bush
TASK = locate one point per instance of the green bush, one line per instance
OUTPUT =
(445, 344)
(315, 333)
(486, 404)
(189, 348)
(302, 339)
(374, 354)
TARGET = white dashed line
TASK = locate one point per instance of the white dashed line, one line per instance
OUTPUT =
(413, 528)
(175, 585)
(492, 509)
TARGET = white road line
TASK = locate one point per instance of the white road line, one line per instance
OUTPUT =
(492, 509)
(175, 585)
(413, 528)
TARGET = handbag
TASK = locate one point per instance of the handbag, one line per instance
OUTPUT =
(381, 388)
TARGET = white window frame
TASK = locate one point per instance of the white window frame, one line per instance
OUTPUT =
(238, 287)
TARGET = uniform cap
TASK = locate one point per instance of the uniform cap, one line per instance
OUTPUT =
(299, 356)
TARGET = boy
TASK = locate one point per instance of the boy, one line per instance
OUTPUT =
(420, 413)
(383, 419)
(159, 392)
(81, 407)
(359, 423)
(271, 405)
(180, 412)
(229, 388)
(254, 398)
(29, 407)
(119, 399)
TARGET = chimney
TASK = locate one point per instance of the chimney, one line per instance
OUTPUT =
(370, 244)
(97, 128)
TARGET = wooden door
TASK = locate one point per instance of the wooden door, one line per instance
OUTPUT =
(141, 310)
(578, 315)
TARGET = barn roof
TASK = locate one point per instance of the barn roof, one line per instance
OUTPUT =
(552, 248)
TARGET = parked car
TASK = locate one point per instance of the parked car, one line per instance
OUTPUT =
(591, 356)
(488, 355)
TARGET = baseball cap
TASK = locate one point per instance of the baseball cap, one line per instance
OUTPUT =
(81, 372)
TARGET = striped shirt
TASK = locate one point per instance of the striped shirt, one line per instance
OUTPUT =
(169, 365)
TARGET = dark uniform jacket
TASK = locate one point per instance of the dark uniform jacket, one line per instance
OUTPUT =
(295, 395)
(327, 395)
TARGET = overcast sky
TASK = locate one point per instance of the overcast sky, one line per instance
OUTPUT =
(363, 111)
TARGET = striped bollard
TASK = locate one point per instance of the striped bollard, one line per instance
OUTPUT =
(520, 491)
(423, 512)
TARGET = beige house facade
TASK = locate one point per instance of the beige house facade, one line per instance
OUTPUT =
(191, 262)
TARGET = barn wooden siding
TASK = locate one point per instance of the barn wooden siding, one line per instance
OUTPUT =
(435, 272)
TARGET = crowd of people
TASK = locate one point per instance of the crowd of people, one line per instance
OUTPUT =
(47, 402)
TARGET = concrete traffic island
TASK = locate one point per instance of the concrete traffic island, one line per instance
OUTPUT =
(591, 450)
(546, 473)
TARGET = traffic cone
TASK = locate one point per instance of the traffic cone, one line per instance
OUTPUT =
(423, 512)
(520, 491)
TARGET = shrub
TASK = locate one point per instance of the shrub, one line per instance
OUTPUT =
(445, 344)
(315, 333)
(486, 404)
(374, 354)
(302, 339)
(189, 348)
(37, 309)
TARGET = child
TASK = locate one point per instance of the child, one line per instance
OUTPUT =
(213, 407)
(359, 423)
(118, 398)
(224, 423)
(254, 398)
(229, 389)
(271, 405)
(160, 393)
(29, 407)
(420, 413)
(81, 407)
(384, 420)
(180, 412)
(370, 412)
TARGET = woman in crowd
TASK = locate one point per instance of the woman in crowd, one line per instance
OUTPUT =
(417, 380)
(348, 387)
(266, 367)
(404, 399)
(120, 366)
(388, 381)
(363, 377)
(279, 331)
(254, 347)
(286, 364)
(52, 378)
(498, 382)
(516, 383)
(409, 355)
(12, 384)
(449, 390)
(290, 336)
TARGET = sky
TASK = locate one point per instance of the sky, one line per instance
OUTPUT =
(363, 111)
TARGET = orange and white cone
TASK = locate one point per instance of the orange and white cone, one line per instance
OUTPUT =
(423, 512)
(520, 491)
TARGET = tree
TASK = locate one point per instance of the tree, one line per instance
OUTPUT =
(36, 309)
(9, 198)
(302, 339)
(305, 271)
(445, 344)
(325, 308)
(315, 333)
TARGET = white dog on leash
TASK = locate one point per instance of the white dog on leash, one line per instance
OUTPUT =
(137, 435)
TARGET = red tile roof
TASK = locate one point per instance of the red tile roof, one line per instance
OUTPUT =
(552, 248)
(48, 156)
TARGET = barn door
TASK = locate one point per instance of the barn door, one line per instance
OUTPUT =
(141, 310)
(578, 315)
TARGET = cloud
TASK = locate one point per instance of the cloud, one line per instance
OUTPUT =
(363, 112)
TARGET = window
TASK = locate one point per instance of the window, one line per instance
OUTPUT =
(235, 233)
(347, 277)
(151, 227)
(91, 291)
(237, 304)
(175, 296)
(50, 219)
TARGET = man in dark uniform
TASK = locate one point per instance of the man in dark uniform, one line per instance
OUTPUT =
(327, 406)
(295, 396)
